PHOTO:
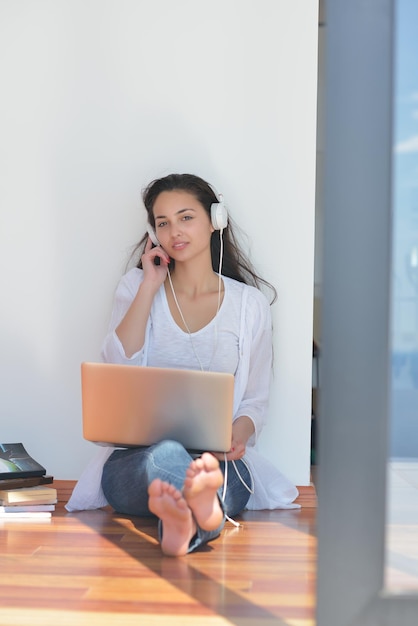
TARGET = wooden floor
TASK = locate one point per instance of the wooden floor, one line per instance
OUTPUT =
(100, 568)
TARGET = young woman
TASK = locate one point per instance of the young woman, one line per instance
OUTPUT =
(194, 302)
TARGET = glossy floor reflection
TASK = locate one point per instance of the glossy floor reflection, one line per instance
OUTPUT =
(402, 526)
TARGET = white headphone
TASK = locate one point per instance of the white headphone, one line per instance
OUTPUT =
(152, 235)
(219, 214)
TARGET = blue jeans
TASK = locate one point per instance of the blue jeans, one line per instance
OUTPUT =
(127, 474)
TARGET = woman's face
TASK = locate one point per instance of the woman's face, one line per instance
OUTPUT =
(182, 224)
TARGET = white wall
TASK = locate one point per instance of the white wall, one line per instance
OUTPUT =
(101, 96)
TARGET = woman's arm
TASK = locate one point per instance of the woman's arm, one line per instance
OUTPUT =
(252, 382)
(255, 371)
(131, 329)
(131, 308)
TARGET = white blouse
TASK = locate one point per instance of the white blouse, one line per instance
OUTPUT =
(242, 336)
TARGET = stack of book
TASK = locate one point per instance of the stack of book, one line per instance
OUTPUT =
(23, 493)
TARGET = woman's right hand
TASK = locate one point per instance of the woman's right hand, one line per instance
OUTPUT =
(152, 272)
(132, 328)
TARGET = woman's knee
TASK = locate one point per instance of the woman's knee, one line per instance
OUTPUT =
(168, 448)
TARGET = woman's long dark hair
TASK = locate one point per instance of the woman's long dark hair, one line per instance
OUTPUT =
(235, 264)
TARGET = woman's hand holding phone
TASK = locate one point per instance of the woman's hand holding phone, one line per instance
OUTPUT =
(155, 262)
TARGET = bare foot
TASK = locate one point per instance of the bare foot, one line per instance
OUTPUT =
(167, 503)
(203, 479)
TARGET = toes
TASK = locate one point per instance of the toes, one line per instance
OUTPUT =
(155, 488)
(209, 461)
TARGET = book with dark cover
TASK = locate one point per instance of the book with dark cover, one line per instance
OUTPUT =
(15, 462)
(30, 481)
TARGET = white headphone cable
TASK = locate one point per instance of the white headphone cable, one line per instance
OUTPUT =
(250, 489)
(217, 308)
(183, 320)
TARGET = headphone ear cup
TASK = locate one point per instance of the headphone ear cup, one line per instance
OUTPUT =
(152, 235)
(219, 215)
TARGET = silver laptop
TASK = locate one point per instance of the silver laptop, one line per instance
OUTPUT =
(128, 405)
